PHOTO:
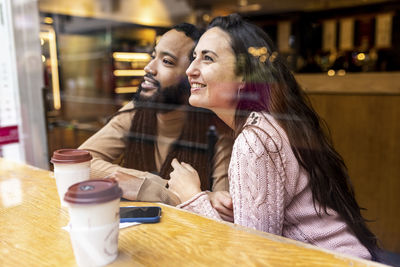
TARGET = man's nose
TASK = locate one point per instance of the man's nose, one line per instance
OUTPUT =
(151, 68)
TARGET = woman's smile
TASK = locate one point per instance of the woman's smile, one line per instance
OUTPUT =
(195, 86)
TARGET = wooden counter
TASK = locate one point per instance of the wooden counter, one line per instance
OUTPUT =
(31, 234)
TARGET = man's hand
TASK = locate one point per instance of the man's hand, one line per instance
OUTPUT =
(222, 202)
(128, 183)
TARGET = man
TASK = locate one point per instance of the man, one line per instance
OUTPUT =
(158, 126)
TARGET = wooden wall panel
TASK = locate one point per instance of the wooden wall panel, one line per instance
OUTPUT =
(365, 129)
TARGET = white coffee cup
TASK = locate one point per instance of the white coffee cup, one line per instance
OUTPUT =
(70, 166)
(100, 214)
(95, 246)
(93, 207)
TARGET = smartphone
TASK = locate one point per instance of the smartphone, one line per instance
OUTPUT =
(140, 214)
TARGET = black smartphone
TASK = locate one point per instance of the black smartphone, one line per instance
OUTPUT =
(140, 214)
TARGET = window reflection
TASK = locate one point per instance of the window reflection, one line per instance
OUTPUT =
(11, 193)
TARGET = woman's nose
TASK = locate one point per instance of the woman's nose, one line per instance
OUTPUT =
(192, 70)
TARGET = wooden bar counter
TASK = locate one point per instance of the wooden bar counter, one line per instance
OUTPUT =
(31, 220)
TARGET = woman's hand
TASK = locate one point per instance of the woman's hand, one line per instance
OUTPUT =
(222, 202)
(185, 181)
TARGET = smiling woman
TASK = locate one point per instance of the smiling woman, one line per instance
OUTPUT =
(285, 177)
(212, 75)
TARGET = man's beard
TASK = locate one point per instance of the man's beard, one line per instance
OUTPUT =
(165, 99)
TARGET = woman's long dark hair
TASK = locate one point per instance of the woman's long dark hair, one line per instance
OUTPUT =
(271, 87)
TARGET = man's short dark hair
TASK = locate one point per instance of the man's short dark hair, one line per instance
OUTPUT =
(189, 30)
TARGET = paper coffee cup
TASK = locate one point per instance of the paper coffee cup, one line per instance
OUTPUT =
(94, 221)
(70, 166)
(97, 246)
(93, 203)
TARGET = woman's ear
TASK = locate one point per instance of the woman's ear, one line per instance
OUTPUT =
(241, 86)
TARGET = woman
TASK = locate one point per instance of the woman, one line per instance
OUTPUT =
(285, 176)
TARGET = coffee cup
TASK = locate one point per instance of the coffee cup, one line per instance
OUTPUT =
(93, 207)
(70, 166)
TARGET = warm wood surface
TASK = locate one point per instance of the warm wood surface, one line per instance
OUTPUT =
(366, 132)
(380, 83)
(31, 234)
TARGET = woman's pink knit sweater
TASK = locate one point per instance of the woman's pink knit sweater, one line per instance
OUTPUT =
(270, 191)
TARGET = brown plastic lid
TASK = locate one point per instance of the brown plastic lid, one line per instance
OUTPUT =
(69, 155)
(93, 191)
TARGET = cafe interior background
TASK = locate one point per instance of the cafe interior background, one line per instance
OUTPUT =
(66, 66)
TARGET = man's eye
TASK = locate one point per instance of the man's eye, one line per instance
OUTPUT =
(152, 56)
(168, 62)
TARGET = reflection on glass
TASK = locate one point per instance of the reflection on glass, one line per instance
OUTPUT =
(47, 34)
(11, 193)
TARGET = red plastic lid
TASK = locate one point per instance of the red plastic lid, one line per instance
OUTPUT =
(69, 155)
(93, 191)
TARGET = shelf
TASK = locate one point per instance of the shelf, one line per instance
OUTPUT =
(126, 90)
(129, 71)
(131, 56)
(120, 73)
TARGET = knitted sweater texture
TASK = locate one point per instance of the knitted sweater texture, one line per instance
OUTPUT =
(271, 193)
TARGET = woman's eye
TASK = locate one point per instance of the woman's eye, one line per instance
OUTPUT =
(208, 58)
